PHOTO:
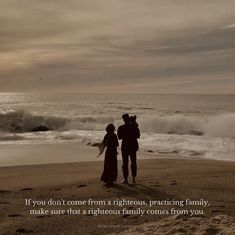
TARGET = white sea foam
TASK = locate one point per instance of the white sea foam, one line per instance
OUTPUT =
(189, 146)
(221, 126)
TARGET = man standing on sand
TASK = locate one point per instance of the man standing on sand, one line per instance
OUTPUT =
(129, 133)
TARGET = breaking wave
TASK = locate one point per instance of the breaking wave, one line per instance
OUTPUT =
(23, 121)
(217, 125)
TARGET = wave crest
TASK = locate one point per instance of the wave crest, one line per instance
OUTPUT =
(217, 125)
(22, 121)
(173, 124)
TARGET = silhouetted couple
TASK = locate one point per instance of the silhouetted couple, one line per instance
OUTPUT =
(128, 133)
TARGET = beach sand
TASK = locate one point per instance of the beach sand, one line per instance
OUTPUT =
(158, 179)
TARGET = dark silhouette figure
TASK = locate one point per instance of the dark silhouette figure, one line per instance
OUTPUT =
(129, 133)
(110, 141)
(133, 122)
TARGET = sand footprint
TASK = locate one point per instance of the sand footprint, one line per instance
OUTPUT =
(173, 182)
(14, 215)
(26, 189)
(81, 185)
(22, 230)
(4, 191)
(42, 216)
(4, 203)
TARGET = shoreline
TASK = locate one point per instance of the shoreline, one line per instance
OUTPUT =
(154, 157)
(31, 154)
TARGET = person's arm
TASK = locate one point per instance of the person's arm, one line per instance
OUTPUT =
(119, 133)
(137, 133)
(116, 141)
(102, 145)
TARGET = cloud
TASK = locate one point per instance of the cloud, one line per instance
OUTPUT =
(229, 26)
(77, 43)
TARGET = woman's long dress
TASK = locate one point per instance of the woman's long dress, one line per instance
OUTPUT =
(110, 162)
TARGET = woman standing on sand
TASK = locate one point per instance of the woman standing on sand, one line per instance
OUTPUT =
(110, 142)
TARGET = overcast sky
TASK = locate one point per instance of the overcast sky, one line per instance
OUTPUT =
(162, 46)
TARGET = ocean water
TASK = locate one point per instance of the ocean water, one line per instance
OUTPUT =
(190, 126)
